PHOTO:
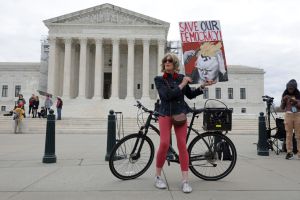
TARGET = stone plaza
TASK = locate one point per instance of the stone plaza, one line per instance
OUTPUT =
(82, 173)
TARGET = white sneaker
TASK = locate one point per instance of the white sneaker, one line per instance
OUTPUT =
(159, 183)
(186, 187)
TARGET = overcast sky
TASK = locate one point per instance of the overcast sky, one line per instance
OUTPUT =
(256, 33)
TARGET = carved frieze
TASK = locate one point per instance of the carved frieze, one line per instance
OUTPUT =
(107, 16)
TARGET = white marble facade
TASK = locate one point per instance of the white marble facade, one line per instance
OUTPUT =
(13, 75)
(105, 52)
(105, 57)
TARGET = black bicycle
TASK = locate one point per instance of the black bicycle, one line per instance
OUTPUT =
(212, 154)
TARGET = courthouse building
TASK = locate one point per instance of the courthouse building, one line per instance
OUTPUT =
(106, 57)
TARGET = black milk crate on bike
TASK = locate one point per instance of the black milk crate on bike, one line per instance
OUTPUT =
(217, 119)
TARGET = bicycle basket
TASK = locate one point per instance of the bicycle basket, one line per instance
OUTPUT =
(217, 119)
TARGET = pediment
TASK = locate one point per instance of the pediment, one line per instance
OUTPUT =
(106, 14)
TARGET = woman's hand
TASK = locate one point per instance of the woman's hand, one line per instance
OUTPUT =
(286, 97)
(207, 83)
(185, 81)
(293, 101)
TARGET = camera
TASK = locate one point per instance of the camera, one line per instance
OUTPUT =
(268, 99)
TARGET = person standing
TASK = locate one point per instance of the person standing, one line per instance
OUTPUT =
(18, 117)
(31, 100)
(172, 87)
(59, 105)
(290, 103)
(35, 107)
(48, 103)
(21, 101)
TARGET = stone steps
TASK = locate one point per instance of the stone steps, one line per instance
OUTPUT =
(99, 125)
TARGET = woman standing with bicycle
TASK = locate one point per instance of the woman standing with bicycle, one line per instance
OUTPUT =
(290, 103)
(172, 87)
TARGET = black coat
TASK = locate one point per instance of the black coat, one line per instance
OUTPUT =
(172, 98)
(36, 104)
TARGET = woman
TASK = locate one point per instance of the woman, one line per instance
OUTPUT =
(290, 103)
(35, 106)
(59, 105)
(31, 101)
(172, 87)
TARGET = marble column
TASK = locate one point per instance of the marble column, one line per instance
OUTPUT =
(67, 68)
(82, 68)
(115, 68)
(98, 86)
(160, 54)
(130, 69)
(146, 44)
(52, 66)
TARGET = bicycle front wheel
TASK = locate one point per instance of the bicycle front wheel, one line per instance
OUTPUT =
(131, 156)
(212, 156)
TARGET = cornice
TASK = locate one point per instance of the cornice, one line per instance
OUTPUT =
(106, 14)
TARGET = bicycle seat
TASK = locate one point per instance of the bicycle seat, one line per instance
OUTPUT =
(197, 111)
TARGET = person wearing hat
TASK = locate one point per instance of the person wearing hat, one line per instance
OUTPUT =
(59, 105)
(290, 103)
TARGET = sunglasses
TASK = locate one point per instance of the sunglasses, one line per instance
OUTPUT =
(168, 60)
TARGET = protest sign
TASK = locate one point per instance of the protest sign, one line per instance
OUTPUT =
(203, 51)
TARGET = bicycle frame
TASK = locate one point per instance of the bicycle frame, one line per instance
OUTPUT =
(125, 160)
(144, 131)
(145, 128)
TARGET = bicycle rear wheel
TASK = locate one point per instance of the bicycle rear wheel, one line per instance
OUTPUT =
(212, 156)
(131, 156)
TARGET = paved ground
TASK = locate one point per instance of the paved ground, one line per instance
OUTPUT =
(82, 173)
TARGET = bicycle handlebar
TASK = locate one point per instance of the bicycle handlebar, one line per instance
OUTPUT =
(140, 106)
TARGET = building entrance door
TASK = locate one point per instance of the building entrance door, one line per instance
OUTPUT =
(107, 86)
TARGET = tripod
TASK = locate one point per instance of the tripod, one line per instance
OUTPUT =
(269, 102)
(273, 139)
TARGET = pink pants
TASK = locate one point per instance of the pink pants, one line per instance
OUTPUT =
(165, 126)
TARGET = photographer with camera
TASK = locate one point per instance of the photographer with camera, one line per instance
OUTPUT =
(290, 103)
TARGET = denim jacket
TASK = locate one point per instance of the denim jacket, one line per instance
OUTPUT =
(172, 98)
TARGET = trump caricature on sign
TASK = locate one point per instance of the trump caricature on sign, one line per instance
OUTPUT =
(209, 65)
